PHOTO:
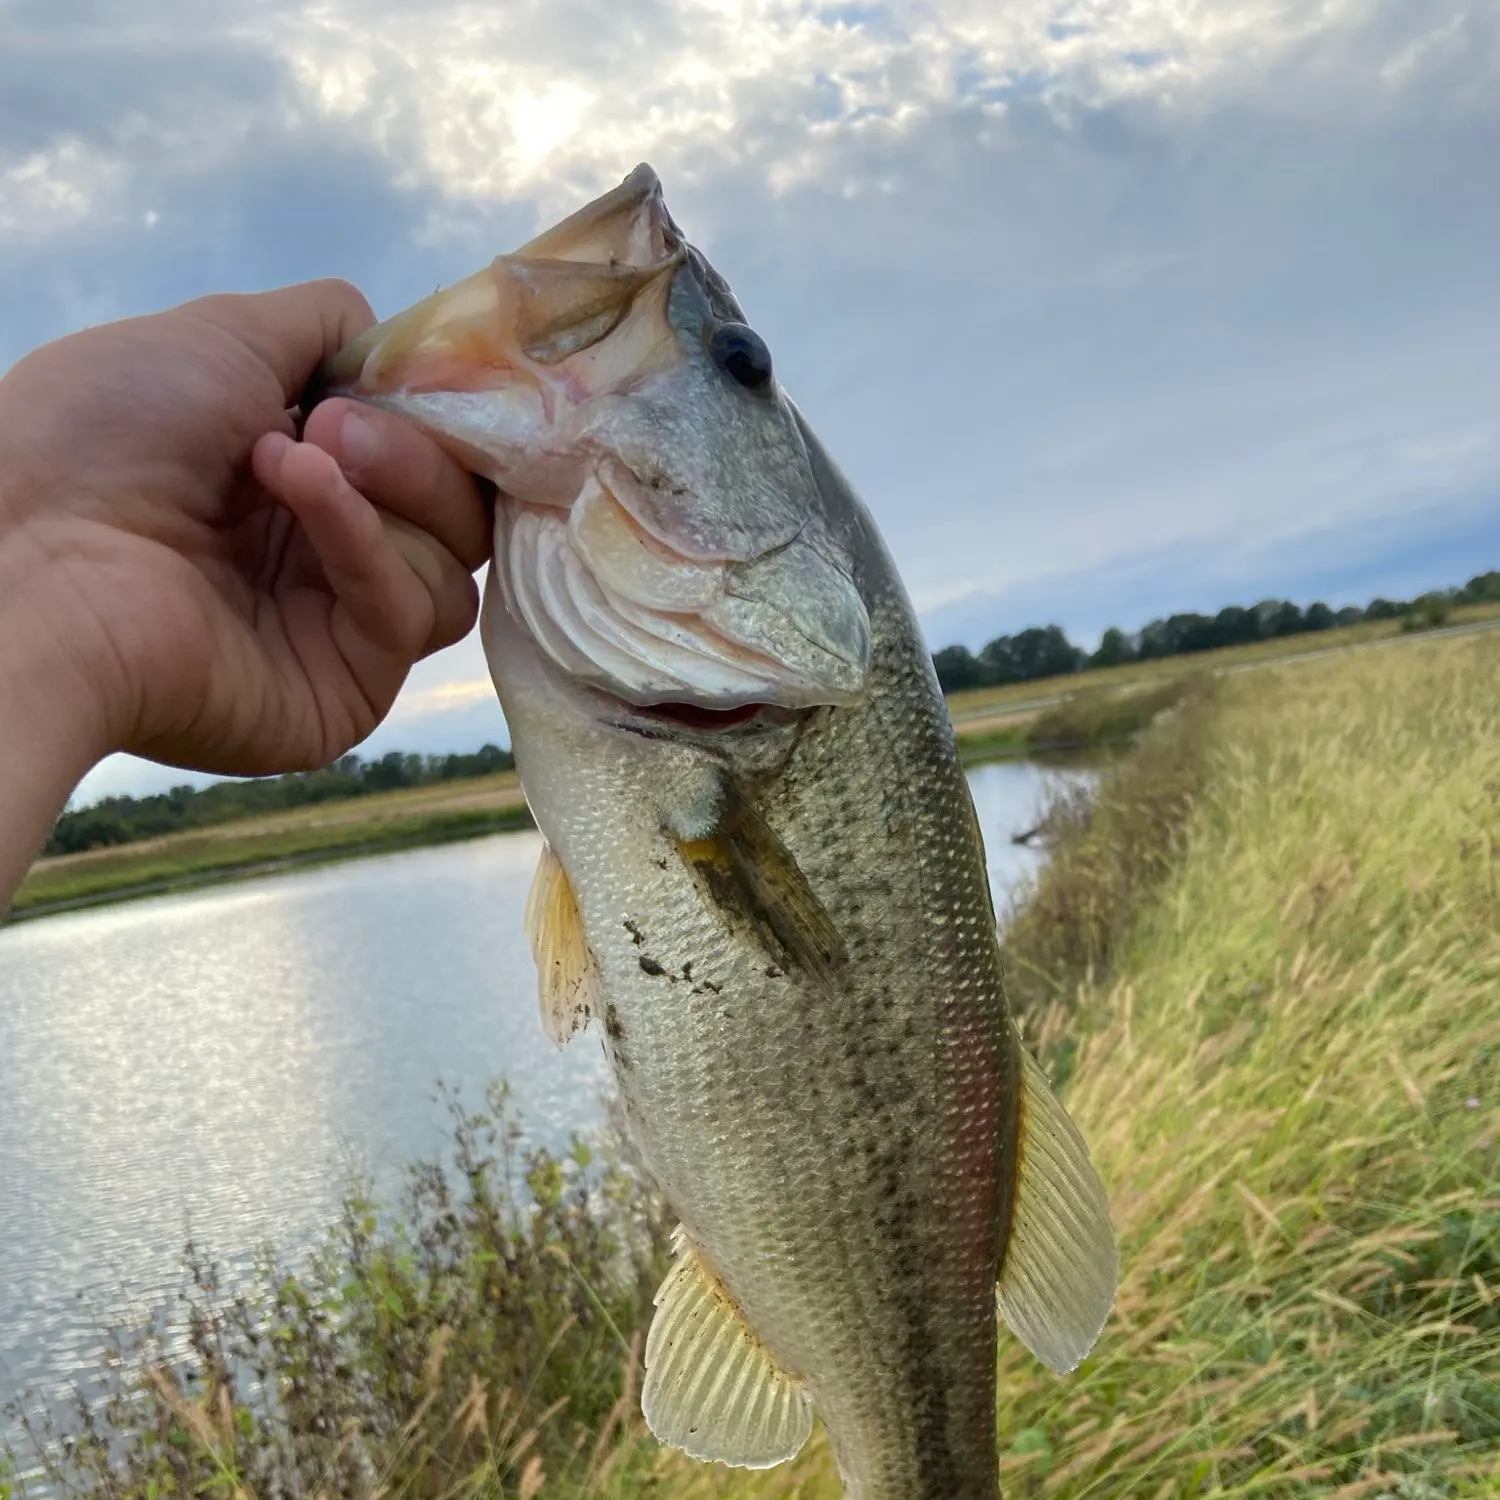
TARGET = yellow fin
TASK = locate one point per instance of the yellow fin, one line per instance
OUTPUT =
(712, 1388)
(751, 874)
(1057, 1278)
(566, 978)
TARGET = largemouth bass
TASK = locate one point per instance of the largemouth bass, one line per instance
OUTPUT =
(763, 879)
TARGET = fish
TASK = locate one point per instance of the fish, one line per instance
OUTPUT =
(762, 879)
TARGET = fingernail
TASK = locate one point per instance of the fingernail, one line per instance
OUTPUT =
(358, 441)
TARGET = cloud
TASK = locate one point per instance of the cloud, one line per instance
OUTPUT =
(1108, 307)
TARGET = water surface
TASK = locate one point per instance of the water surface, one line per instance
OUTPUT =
(214, 1063)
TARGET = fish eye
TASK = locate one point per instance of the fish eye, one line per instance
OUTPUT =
(741, 353)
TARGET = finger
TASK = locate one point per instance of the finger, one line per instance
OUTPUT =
(293, 329)
(449, 583)
(399, 468)
(387, 603)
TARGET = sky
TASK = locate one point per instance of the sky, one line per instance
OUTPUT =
(1109, 308)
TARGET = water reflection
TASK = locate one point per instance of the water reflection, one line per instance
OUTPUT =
(213, 1064)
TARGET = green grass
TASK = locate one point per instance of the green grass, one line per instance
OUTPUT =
(1103, 716)
(371, 824)
(1265, 961)
(983, 702)
(1097, 708)
(1004, 743)
(198, 858)
(1290, 1073)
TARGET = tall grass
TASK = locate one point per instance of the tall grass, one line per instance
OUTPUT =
(1100, 716)
(1291, 1080)
(479, 1337)
(1112, 849)
(1267, 961)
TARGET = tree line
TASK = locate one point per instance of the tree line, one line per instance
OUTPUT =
(1046, 651)
(122, 820)
(1042, 651)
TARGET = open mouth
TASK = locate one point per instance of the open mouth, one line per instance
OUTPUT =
(672, 717)
(694, 716)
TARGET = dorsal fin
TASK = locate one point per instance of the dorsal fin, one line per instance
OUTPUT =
(1057, 1278)
(712, 1388)
(566, 977)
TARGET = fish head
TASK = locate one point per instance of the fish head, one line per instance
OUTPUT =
(661, 537)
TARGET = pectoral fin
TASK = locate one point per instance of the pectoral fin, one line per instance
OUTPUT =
(565, 972)
(1057, 1278)
(712, 1388)
(752, 875)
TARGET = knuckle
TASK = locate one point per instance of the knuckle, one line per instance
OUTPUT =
(340, 292)
(455, 616)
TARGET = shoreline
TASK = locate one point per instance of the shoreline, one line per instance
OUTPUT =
(368, 842)
(1257, 966)
(362, 838)
(1097, 713)
(253, 870)
(250, 850)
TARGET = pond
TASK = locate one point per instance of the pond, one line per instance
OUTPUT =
(214, 1065)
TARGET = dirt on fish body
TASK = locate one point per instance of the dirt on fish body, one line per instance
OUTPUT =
(764, 882)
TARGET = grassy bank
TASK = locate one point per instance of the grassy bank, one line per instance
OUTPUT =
(1288, 1061)
(374, 824)
(1102, 720)
(976, 704)
(379, 823)
(1266, 961)
(1091, 709)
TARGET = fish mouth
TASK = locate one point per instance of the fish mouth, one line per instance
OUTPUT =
(634, 576)
(653, 720)
(557, 320)
(695, 716)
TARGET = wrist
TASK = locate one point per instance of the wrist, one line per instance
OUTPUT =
(51, 732)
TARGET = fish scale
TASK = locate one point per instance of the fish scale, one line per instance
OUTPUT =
(836, 1158)
(774, 914)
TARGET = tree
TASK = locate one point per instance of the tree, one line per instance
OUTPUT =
(1115, 649)
(122, 820)
(1192, 632)
(1155, 641)
(957, 669)
(997, 661)
(1278, 617)
(1235, 626)
(1427, 612)
(387, 773)
(1044, 652)
(1481, 589)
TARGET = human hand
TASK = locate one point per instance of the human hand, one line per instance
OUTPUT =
(181, 578)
